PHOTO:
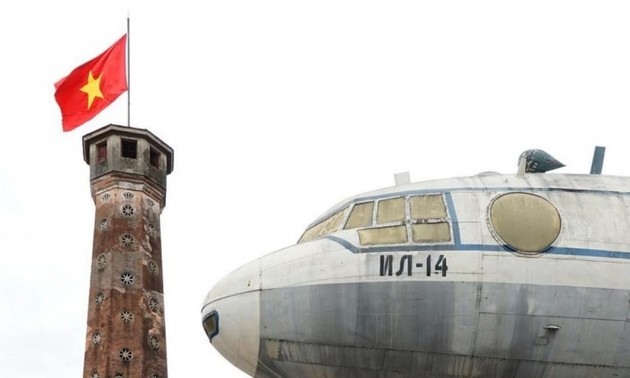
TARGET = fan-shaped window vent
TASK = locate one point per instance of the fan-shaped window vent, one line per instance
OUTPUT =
(126, 240)
(127, 195)
(128, 210)
(125, 354)
(153, 267)
(151, 230)
(100, 298)
(127, 279)
(126, 316)
(104, 224)
(106, 197)
(97, 337)
(154, 305)
(101, 261)
(154, 342)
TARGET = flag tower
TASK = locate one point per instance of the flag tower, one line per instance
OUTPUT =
(125, 326)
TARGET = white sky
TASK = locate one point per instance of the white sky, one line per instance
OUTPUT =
(277, 110)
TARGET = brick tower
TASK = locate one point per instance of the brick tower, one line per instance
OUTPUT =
(125, 326)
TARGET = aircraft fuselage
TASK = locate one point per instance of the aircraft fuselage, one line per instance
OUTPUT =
(484, 276)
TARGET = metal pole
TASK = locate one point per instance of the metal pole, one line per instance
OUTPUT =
(128, 75)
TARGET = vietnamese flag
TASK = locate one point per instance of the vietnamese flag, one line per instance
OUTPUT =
(92, 86)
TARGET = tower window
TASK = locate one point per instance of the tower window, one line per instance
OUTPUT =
(154, 342)
(153, 267)
(126, 240)
(126, 316)
(154, 304)
(100, 298)
(101, 261)
(127, 279)
(129, 148)
(151, 230)
(101, 151)
(125, 354)
(128, 210)
(154, 157)
(97, 337)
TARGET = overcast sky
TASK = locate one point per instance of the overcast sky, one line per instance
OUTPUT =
(276, 111)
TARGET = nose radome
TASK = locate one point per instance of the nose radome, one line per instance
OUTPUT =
(231, 317)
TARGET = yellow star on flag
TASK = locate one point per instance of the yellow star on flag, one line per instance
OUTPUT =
(92, 88)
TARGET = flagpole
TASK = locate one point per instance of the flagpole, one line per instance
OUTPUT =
(128, 76)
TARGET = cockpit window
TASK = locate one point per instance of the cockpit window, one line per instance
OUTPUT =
(390, 210)
(383, 235)
(431, 232)
(429, 206)
(361, 216)
(424, 220)
(429, 223)
(330, 224)
(411, 218)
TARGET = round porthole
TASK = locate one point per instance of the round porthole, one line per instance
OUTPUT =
(524, 222)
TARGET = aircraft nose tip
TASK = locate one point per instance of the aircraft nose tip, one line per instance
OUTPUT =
(232, 325)
(231, 318)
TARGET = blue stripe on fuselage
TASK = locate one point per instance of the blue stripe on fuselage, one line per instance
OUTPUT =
(453, 214)
(566, 251)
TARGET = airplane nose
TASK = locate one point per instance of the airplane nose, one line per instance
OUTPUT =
(231, 317)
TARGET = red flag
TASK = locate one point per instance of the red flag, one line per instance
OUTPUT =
(92, 86)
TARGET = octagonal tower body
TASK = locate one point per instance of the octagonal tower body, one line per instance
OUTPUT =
(126, 335)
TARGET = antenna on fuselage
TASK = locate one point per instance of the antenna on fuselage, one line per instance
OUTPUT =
(522, 162)
(598, 160)
(402, 178)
